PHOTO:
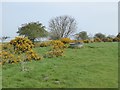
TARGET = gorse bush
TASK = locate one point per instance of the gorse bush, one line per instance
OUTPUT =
(77, 41)
(57, 49)
(97, 40)
(19, 49)
(73, 41)
(110, 40)
(24, 45)
(8, 48)
(55, 53)
(44, 44)
(7, 57)
(86, 41)
(65, 40)
(21, 44)
(107, 40)
(116, 39)
(57, 44)
(31, 55)
(91, 41)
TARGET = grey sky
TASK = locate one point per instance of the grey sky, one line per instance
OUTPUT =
(92, 17)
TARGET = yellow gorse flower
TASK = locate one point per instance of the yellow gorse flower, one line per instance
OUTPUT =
(66, 40)
(22, 44)
(57, 48)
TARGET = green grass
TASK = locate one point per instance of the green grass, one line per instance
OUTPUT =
(93, 66)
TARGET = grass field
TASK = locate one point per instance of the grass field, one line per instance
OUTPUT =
(93, 66)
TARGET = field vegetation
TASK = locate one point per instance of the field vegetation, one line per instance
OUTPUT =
(94, 65)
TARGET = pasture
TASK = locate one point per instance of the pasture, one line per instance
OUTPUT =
(93, 66)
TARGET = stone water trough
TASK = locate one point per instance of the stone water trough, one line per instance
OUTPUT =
(76, 45)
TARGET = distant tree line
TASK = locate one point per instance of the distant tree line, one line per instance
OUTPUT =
(59, 27)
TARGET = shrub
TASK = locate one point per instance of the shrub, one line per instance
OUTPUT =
(57, 44)
(8, 48)
(25, 45)
(107, 40)
(18, 50)
(116, 39)
(36, 44)
(55, 53)
(73, 41)
(110, 40)
(57, 49)
(91, 41)
(65, 40)
(97, 40)
(31, 55)
(44, 44)
(76, 41)
(21, 44)
(7, 57)
(81, 41)
(86, 41)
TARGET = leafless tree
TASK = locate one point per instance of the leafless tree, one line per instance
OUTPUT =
(62, 26)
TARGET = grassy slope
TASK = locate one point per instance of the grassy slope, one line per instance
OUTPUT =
(95, 65)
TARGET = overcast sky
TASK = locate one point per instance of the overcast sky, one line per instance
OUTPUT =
(92, 17)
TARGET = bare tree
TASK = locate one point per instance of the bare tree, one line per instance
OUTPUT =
(62, 26)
